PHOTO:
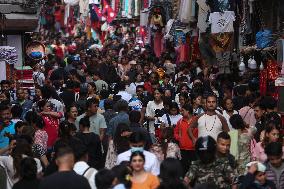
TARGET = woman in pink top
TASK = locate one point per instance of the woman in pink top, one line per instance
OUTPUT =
(272, 133)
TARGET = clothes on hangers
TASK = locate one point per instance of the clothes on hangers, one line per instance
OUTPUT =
(203, 11)
(222, 21)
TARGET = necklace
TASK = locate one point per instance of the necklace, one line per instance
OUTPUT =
(212, 125)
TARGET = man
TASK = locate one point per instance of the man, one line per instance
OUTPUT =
(81, 167)
(121, 117)
(23, 102)
(209, 169)
(275, 164)
(6, 126)
(134, 118)
(137, 143)
(210, 123)
(259, 113)
(68, 95)
(223, 149)
(97, 121)
(65, 177)
(92, 142)
(100, 84)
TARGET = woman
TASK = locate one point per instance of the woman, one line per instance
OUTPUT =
(140, 178)
(28, 174)
(92, 90)
(72, 113)
(181, 135)
(38, 95)
(122, 175)
(171, 118)
(119, 144)
(167, 148)
(272, 134)
(12, 163)
(183, 88)
(171, 174)
(154, 111)
(51, 121)
(132, 87)
(153, 77)
(228, 110)
(183, 99)
(240, 141)
(197, 104)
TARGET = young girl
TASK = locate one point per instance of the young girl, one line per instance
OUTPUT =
(272, 134)
(140, 178)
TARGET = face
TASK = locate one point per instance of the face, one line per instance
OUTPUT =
(146, 69)
(184, 89)
(260, 177)
(5, 116)
(173, 111)
(26, 93)
(168, 93)
(229, 104)
(197, 101)
(137, 163)
(223, 146)
(275, 161)
(153, 78)
(211, 103)
(185, 113)
(47, 107)
(20, 94)
(139, 91)
(38, 92)
(273, 136)
(90, 88)
(2, 97)
(73, 112)
(157, 95)
(258, 113)
(139, 78)
(93, 109)
(182, 100)
(5, 87)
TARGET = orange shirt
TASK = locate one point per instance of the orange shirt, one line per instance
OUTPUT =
(181, 134)
(151, 182)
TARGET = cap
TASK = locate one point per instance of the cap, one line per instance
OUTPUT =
(132, 62)
(260, 166)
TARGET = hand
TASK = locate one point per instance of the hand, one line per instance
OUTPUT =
(253, 168)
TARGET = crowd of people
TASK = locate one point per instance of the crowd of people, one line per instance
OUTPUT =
(116, 116)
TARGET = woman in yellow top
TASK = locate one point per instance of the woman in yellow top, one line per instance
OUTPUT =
(140, 178)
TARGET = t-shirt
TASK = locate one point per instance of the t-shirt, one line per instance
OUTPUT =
(173, 119)
(151, 162)
(4, 141)
(97, 122)
(100, 85)
(209, 126)
(150, 112)
(65, 179)
(30, 184)
(222, 22)
(151, 182)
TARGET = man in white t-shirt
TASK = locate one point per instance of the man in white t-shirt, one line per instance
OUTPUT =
(210, 123)
(137, 143)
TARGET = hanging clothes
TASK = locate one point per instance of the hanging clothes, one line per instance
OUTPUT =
(185, 11)
(222, 21)
(203, 11)
(84, 7)
(158, 43)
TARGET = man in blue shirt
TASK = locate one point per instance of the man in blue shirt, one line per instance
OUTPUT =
(6, 126)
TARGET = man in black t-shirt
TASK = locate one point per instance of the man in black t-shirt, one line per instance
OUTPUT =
(65, 177)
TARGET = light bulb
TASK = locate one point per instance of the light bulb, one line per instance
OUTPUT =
(253, 64)
(261, 67)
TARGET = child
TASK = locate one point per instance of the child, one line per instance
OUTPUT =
(256, 177)
(223, 148)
